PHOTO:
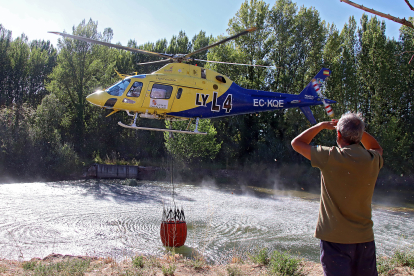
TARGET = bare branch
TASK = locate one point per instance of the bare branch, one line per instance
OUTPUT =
(408, 3)
(404, 53)
(388, 16)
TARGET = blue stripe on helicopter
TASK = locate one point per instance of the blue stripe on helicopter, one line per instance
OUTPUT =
(245, 101)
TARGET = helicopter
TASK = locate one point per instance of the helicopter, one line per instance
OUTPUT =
(181, 91)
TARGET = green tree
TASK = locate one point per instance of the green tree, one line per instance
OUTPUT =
(282, 22)
(19, 75)
(406, 86)
(397, 132)
(16, 142)
(81, 68)
(340, 55)
(192, 147)
(299, 37)
(55, 157)
(179, 44)
(5, 68)
(199, 41)
(160, 46)
(373, 68)
(42, 61)
(309, 38)
(243, 134)
(255, 47)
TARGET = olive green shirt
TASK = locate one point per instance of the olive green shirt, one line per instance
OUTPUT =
(348, 177)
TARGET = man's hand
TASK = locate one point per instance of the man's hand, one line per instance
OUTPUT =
(329, 124)
(301, 143)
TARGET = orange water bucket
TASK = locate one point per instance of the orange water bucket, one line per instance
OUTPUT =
(173, 233)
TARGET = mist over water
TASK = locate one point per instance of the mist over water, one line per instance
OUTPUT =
(102, 218)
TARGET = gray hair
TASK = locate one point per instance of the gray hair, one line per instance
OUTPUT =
(352, 127)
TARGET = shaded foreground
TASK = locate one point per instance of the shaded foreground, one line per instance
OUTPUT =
(56, 264)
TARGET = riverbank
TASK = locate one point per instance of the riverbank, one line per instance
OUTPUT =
(56, 264)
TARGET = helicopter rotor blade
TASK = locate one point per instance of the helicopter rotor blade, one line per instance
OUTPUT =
(112, 45)
(232, 63)
(157, 61)
(221, 41)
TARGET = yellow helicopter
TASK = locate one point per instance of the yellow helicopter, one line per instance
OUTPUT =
(180, 91)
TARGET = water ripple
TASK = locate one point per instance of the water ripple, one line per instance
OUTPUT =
(104, 218)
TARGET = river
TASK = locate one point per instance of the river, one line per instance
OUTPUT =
(104, 218)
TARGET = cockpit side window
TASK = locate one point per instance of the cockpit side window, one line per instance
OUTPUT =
(135, 89)
(118, 88)
(160, 91)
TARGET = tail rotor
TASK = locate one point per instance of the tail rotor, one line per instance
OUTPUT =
(328, 107)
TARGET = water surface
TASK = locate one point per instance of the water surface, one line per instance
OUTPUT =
(104, 218)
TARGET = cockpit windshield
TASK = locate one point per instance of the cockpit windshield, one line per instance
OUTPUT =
(118, 88)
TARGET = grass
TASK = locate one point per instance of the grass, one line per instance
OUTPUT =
(30, 265)
(132, 273)
(283, 264)
(233, 270)
(404, 259)
(138, 261)
(65, 268)
(197, 262)
(384, 265)
(269, 263)
(168, 270)
(260, 257)
(400, 258)
(114, 159)
(153, 262)
(280, 263)
(3, 269)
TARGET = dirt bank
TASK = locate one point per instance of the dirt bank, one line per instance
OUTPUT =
(56, 264)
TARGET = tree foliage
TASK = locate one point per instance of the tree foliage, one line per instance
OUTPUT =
(188, 148)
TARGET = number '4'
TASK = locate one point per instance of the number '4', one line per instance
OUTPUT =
(228, 103)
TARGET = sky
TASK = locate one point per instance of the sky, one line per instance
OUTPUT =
(149, 21)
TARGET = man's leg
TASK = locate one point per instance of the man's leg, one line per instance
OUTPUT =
(336, 258)
(365, 263)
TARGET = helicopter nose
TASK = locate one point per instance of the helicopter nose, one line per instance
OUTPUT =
(98, 98)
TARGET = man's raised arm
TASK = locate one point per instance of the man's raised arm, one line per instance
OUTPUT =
(301, 143)
(369, 142)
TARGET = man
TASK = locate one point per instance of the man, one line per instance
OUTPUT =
(348, 176)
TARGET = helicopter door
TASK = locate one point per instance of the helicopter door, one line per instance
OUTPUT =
(133, 94)
(159, 96)
(186, 97)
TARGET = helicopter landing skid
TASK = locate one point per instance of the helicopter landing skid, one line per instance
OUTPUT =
(161, 129)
